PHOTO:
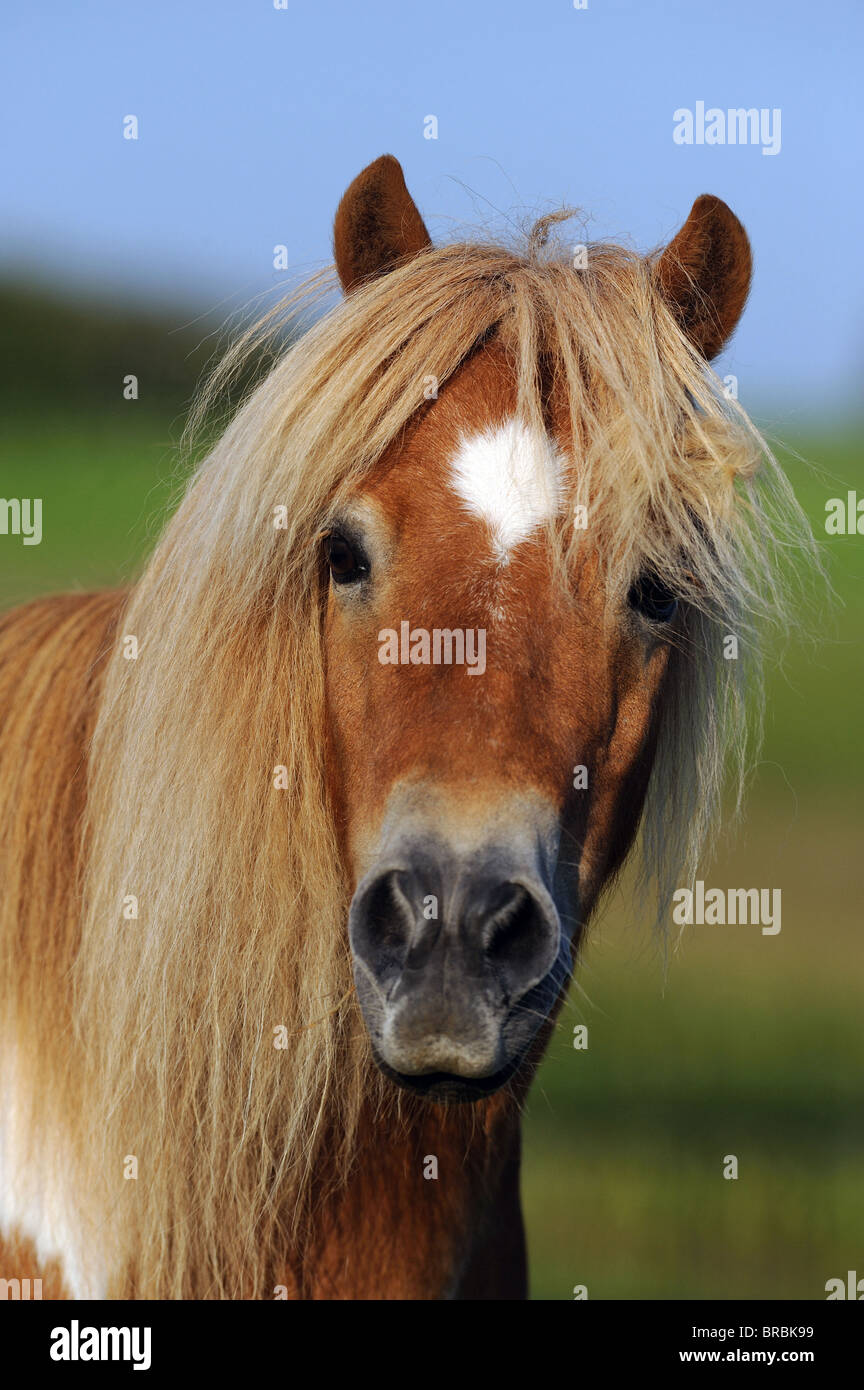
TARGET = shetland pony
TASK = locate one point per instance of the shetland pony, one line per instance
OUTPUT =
(289, 906)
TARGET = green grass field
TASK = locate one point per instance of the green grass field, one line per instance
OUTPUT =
(737, 1043)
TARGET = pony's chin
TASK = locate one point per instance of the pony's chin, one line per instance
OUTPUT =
(446, 1088)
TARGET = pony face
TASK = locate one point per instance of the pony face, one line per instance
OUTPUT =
(493, 703)
(491, 728)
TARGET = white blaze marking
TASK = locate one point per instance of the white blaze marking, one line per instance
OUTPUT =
(510, 476)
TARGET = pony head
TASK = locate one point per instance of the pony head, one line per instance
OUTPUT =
(505, 589)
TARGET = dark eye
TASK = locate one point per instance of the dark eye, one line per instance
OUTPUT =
(346, 562)
(650, 597)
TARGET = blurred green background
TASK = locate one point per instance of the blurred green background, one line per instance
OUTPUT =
(729, 1042)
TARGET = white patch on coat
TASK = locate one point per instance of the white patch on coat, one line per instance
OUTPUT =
(511, 477)
(37, 1190)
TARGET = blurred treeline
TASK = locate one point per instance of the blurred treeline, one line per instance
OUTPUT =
(108, 467)
(71, 353)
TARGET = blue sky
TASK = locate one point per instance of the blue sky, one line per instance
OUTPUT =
(253, 120)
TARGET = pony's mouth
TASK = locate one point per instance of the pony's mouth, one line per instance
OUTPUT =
(447, 1087)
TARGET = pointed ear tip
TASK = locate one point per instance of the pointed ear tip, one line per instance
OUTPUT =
(386, 164)
(709, 203)
(383, 170)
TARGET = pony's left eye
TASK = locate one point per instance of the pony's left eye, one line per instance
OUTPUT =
(346, 563)
(650, 597)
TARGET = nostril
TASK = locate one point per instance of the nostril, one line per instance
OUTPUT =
(389, 918)
(509, 923)
(383, 924)
(518, 936)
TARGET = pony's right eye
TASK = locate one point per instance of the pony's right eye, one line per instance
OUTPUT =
(346, 563)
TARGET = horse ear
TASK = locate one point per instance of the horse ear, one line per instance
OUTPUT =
(704, 273)
(377, 224)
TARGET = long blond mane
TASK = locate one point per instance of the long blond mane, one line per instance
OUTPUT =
(241, 895)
